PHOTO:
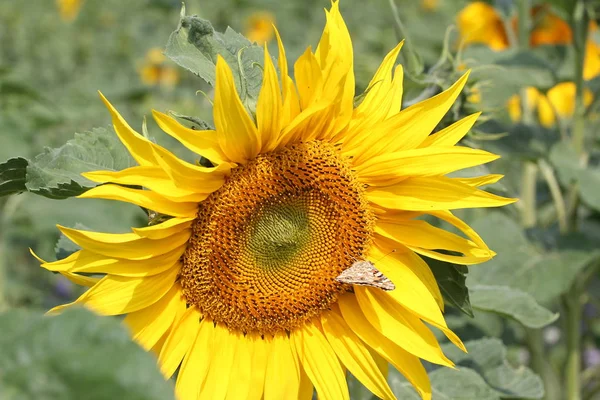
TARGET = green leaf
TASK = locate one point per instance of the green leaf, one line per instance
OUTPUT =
(451, 280)
(519, 265)
(487, 357)
(510, 302)
(195, 46)
(589, 187)
(77, 355)
(564, 158)
(56, 173)
(482, 374)
(12, 176)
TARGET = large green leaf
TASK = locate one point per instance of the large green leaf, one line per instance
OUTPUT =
(520, 265)
(12, 176)
(482, 374)
(77, 355)
(589, 186)
(513, 303)
(195, 46)
(451, 280)
(566, 162)
(56, 173)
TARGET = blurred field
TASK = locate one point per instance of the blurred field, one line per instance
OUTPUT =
(52, 66)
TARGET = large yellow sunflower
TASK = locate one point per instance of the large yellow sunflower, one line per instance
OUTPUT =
(238, 288)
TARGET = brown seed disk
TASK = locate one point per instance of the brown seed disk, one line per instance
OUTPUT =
(267, 246)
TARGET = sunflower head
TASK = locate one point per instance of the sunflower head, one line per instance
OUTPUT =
(239, 284)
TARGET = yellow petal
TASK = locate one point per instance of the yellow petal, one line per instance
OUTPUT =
(418, 234)
(291, 103)
(413, 261)
(407, 364)
(481, 180)
(240, 383)
(260, 349)
(429, 161)
(85, 261)
(404, 329)
(196, 363)
(452, 134)
(269, 106)
(179, 341)
(354, 355)
(409, 128)
(433, 193)
(335, 56)
(412, 294)
(149, 324)
(309, 79)
(139, 147)
(153, 178)
(238, 137)
(114, 295)
(142, 198)
(282, 378)
(189, 176)
(165, 229)
(125, 245)
(204, 143)
(82, 280)
(220, 372)
(320, 362)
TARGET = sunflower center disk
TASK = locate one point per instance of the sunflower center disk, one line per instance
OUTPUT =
(267, 246)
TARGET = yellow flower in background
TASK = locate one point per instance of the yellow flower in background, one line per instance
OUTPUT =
(236, 285)
(479, 22)
(69, 9)
(558, 102)
(259, 27)
(430, 5)
(156, 71)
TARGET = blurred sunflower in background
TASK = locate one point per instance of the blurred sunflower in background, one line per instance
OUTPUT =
(69, 9)
(234, 281)
(156, 71)
(481, 23)
(259, 27)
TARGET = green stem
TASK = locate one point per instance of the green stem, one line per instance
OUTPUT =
(555, 192)
(414, 64)
(524, 23)
(572, 298)
(528, 194)
(580, 29)
(540, 364)
(572, 306)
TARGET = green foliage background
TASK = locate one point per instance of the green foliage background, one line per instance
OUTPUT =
(518, 312)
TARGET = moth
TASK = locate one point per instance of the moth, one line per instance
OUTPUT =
(364, 273)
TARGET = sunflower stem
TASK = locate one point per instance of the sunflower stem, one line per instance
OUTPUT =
(580, 29)
(540, 364)
(572, 299)
(524, 23)
(559, 202)
(572, 306)
(528, 194)
(408, 54)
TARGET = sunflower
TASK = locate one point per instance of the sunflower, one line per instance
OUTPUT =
(479, 22)
(557, 103)
(236, 285)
